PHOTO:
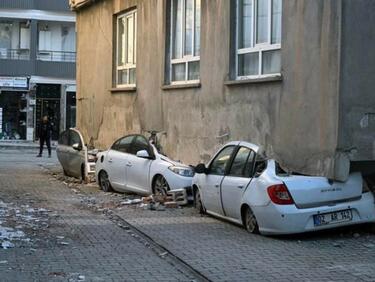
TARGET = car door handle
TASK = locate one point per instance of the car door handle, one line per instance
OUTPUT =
(217, 185)
(240, 186)
(110, 161)
(129, 164)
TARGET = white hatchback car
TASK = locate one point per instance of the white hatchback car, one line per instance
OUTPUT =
(133, 164)
(242, 186)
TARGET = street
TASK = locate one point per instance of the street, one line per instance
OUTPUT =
(55, 229)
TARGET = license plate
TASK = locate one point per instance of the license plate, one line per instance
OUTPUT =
(332, 217)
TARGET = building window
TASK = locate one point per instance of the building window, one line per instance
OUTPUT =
(15, 40)
(56, 42)
(258, 38)
(126, 49)
(185, 33)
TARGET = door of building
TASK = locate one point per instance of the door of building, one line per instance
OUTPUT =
(48, 104)
(48, 107)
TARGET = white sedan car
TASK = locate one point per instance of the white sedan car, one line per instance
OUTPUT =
(132, 164)
(242, 186)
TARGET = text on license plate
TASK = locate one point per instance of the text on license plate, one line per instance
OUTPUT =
(333, 217)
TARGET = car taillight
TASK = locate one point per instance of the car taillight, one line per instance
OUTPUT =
(280, 195)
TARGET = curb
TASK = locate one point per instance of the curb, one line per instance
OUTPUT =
(22, 147)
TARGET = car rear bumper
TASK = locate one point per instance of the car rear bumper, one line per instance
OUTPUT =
(288, 219)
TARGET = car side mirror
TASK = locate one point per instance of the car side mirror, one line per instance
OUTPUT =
(77, 147)
(143, 154)
(200, 168)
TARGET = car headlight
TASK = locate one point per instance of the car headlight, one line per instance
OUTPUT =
(183, 171)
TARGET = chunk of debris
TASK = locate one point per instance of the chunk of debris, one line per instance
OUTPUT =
(147, 200)
(163, 254)
(131, 202)
(171, 205)
(7, 245)
(179, 196)
(57, 273)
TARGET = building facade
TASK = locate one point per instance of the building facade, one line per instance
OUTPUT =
(289, 75)
(37, 67)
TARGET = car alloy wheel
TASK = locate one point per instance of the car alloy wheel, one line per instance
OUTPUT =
(105, 185)
(161, 186)
(251, 223)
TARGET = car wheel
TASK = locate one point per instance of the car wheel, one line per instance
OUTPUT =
(161, 186)
(250, 221)
(104, 183)
(198, 202)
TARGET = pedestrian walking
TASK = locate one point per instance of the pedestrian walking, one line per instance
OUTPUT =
(45, 132)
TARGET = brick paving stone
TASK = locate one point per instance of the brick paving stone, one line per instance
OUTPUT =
(95, 246)
(225, 252)
(222, 251)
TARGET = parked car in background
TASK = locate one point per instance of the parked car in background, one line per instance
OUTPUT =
(241, 185)
(74, 156)
(132, 164)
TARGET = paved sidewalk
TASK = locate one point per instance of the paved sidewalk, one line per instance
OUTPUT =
(225, 252)
(73, 243)
(215, 249)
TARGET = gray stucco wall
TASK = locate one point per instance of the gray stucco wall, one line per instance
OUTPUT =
(193, 117)
(306, 127)
(357, 90)
(296, 119)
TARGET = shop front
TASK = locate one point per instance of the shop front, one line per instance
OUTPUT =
(14, 108)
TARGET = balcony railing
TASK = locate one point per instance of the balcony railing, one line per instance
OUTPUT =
(56, 56)
(14, 54)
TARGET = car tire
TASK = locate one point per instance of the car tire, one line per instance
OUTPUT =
(104, 183)
(160, 186)
(65, 173)
(198, 201)
(250, 222)
(83, 177)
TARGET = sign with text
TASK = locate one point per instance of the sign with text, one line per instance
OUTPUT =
(17, 82)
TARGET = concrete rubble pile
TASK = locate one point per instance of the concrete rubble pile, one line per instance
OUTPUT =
(173, 199)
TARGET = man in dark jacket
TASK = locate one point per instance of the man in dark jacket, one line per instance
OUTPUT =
(45, 132)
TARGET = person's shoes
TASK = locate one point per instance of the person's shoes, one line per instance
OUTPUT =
(39, 156)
